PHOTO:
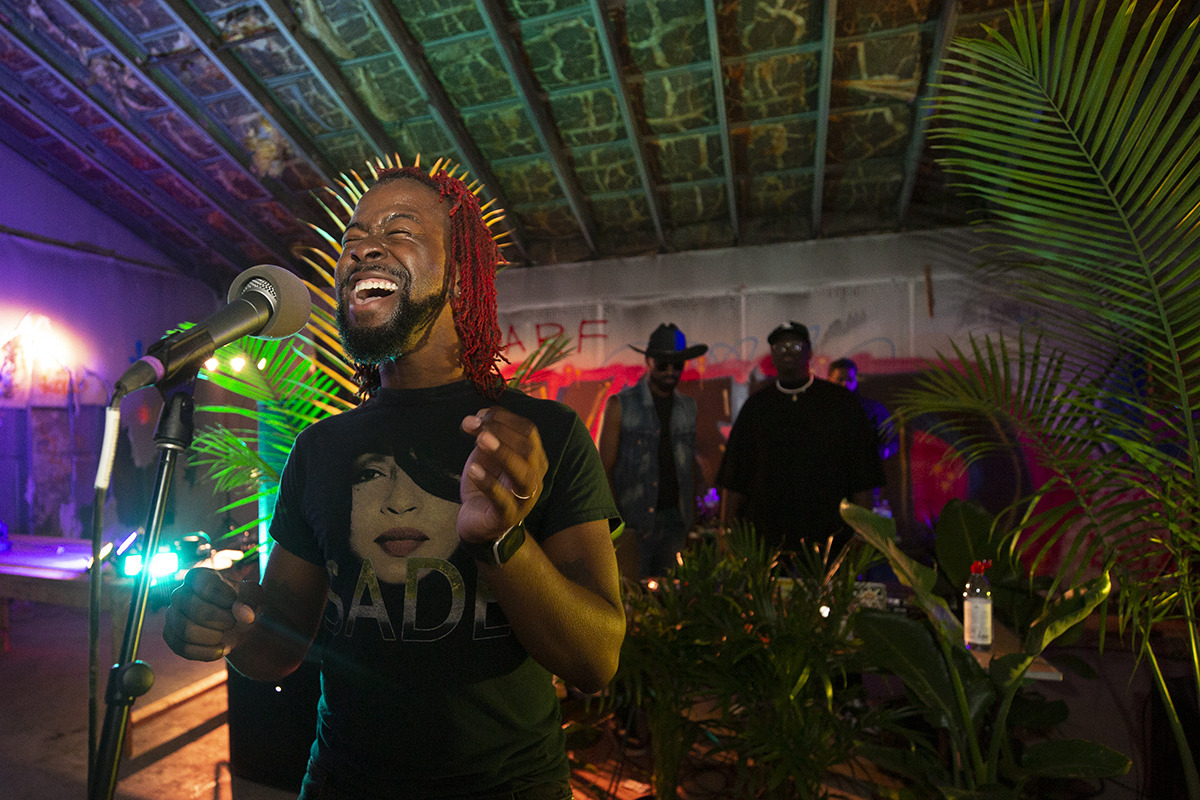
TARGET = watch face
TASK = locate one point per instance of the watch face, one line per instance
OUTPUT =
(499, 551)
(509, 543)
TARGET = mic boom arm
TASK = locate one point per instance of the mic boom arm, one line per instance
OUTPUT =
(264, 301)
(181, 353)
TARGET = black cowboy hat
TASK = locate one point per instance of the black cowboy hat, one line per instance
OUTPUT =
(668, 342)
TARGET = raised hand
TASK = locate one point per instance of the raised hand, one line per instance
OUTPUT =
(502, 478)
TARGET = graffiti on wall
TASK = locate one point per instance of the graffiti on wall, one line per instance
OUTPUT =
(921, 479)
(39, 367)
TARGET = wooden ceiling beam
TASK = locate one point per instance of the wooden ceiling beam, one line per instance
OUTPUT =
(637, 143)
(543, 126)
(825, 90)
(136, 182)
(408, 50)
(923, 106)
(70, 72)
(209, 42)
(718, 78)
(134, 55)
(341, 93)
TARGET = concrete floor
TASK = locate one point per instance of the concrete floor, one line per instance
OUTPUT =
(184, 753)
(179, 755)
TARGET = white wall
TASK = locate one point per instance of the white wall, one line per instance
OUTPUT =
(889, 301)
(36, 203)
(70, 274)
(866, 297)
(104, 298)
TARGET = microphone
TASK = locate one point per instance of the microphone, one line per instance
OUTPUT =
(264, 301)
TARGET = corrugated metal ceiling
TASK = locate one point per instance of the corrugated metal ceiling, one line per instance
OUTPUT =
(604, 127)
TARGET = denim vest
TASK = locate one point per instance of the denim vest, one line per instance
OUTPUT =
(635, 476)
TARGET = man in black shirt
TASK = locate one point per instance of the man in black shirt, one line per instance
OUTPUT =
(449, 538)
(797, 448)
(844, 372)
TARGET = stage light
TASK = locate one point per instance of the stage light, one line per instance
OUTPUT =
(212, 364)
(164, 564)
(36, 340)
(173, 556)
(237, 363)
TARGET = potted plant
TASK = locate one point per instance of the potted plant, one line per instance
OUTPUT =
(1078, 130)
(978, 712)
(740, 664)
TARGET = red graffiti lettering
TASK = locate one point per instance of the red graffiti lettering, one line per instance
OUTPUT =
(513, 339)
(585, 335)
(541, 338)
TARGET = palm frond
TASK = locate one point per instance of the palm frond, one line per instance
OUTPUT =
(1084, 139)
(234, 460)
(1082, 134)
(547, 354)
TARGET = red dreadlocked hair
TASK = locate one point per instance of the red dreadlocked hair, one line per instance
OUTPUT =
(474, 256)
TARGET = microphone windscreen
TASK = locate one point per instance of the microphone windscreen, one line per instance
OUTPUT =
(290, 300)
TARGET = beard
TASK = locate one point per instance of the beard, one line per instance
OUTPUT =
(392, 338)
(665, 383)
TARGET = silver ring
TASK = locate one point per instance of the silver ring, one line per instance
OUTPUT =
(520, 496)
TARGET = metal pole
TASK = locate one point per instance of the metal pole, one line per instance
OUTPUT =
(130, 678)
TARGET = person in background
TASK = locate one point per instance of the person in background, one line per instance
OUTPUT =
(844, 372)
(448, 538)
(652, 473)
(797, 448)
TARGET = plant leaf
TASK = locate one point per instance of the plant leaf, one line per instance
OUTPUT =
(1074, 758)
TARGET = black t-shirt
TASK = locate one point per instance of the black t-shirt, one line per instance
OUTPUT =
(668, 482)
(425, 690)
(795, 457)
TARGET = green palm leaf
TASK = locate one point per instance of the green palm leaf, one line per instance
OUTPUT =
(1079, 136)
(1080, 132)
(1081, 140)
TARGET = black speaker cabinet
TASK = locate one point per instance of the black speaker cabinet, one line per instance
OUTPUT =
(272, 726)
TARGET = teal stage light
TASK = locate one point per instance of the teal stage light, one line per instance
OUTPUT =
(164, 564)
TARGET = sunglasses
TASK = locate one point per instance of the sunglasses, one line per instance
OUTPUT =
(667, 366)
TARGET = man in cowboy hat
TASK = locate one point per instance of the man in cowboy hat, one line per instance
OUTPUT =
(652, 473)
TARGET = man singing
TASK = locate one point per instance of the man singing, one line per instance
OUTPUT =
(449, 539)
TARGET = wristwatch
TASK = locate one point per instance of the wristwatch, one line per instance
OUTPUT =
(499, 551)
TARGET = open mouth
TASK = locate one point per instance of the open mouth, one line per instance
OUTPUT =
(370, 289)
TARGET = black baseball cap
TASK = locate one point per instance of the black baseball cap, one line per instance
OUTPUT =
(790, 329)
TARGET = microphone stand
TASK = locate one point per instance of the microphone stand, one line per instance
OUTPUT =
(130, 678)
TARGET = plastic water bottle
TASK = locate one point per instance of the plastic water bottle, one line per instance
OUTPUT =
(977, 609)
